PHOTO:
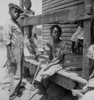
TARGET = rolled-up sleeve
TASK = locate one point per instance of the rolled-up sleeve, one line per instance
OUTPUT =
(6, 34)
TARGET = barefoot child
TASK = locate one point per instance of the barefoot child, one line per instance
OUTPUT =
(13, 39)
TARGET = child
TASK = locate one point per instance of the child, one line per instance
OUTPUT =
(28, 30)
(28, 5)
(13, 39)
(29, 47)
(87, 88)
(77, 39)
(90, 83)
(57, 53)
(28, 12)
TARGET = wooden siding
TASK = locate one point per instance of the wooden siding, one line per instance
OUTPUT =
(51, 6)
(56, 5)
(67, 31)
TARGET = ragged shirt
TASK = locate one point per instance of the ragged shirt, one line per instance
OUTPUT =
(58, 50)
(12, 34)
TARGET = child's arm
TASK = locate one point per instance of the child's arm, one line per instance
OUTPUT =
(61, 57)
(80, 93)
(10, 54)
(77, 93)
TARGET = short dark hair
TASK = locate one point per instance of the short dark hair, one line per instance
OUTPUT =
(80, 23)
(58, 27)
(13, 8)
(27, 1)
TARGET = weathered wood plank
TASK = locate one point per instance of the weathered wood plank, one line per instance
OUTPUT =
(63, 81)
(65, 38)
(67, 34)
(56, 17)
(69, 25)
(72, 76)
(87, 25)
(67, 79)
(63, 4)
(69, 30)
(57, 2)
(63, 7)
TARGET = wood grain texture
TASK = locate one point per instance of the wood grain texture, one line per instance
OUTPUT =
(87, 35)
(65, 16)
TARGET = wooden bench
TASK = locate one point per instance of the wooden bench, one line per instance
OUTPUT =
(67, 78)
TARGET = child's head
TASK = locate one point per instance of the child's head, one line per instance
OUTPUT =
(56, 31)
(14, 11)
(80, 23)
(27, 4)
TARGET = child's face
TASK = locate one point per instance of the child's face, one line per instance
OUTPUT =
(55, 33)
(14, 13)
(28, 5)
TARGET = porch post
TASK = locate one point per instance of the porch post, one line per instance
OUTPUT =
(87, 36)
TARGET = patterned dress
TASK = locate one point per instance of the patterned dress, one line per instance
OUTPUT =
(13, 35)
(58, 52)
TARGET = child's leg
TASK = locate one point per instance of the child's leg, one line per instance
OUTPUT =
(41, 88)
(39, 75)
(72, 46)
(52, 70)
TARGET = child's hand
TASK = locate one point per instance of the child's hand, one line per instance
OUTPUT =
(75, 92)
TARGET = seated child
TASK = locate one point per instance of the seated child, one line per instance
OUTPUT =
(77, 39)
(57, 53)
(90, 83)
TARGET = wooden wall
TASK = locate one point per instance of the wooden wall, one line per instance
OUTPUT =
(67, 31)
(56, 5)
(49, 6)
(65, 12)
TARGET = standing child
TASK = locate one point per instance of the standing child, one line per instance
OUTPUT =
(77, 39)
(28, 5)
(28, 12)
(13, 39)
(30, 47)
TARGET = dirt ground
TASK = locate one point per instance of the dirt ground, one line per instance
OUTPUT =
(3, 94)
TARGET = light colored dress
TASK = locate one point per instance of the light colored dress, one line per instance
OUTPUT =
(78, 34)
(90, 52)
(58, 50)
